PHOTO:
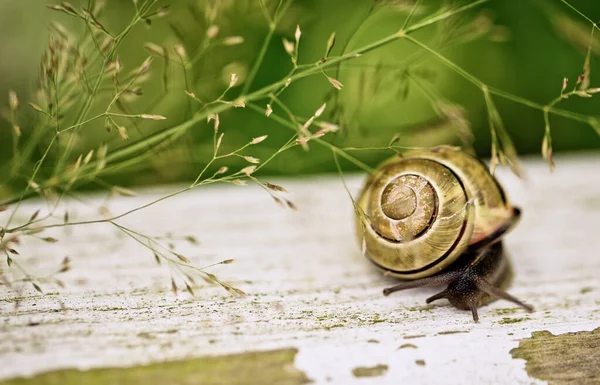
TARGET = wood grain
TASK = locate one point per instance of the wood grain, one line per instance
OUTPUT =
(308, 286)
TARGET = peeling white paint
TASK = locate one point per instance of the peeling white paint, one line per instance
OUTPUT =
(308, 286)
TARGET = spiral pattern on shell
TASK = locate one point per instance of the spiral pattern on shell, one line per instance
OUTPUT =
(424, 208)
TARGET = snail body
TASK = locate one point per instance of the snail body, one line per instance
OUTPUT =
(437, 217)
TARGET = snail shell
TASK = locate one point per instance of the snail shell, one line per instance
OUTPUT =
(437, 218)
(423, 209)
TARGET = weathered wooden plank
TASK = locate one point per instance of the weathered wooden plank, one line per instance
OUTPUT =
(309, 287)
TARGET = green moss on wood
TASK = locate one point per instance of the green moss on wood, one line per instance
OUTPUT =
(564, 359)
(370, 371)
(452, 332)
(271, 367)
(506, 311)
(407, 346)
(414, 336)
(507, 320)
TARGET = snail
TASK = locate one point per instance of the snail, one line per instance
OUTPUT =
(437, 217)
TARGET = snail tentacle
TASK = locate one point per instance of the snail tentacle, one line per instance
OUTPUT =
(473, 307)
(437, 280)
(485, 286)
(435, 297)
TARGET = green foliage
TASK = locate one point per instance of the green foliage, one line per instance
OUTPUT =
(403, 89)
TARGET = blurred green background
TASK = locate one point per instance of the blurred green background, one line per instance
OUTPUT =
(524, 47)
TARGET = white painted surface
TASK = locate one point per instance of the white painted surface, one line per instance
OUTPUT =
(308, 285)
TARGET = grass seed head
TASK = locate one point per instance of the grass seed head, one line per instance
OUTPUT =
(77, 163)
(234, 79)
(123, 191)
(335, 83)
(163, 11)
(278, 200)
(330, 44)
(173, 287)
(302, 141)
(123, 132)
(34, 186)
(248, 170)
(88, 157)
(13, 100)
(37, 287)
(222, 170)
(145, 66)
(180, 51)
(291, 205)
(106, 44)
(233, 40)
(328, 127)
(258, 139)
(36, 107)
(304, 128)
(212, 31)
(238, 103)
(189, 289)
(547, 152)
(152, 117)
(118, 65)
(214, 117)
(275, 187)
(192, 240)
(182, 258)
(154, 49)
(251, 159)
(320, 110)
(34, 216)
(288, 46)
